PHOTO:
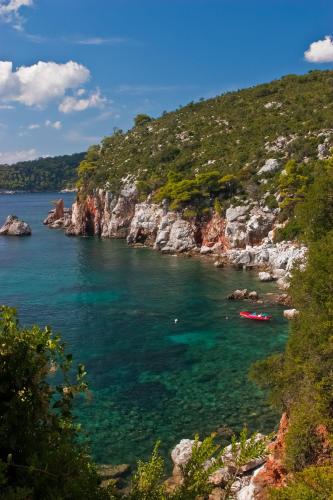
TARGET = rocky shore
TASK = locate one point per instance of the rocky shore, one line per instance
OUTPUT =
(237, 477)
(244, 237)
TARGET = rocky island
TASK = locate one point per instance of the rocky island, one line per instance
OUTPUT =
(15, 227)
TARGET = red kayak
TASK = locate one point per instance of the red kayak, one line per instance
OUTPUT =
(253, 315)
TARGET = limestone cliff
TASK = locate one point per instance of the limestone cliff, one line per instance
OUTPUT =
(243, 237)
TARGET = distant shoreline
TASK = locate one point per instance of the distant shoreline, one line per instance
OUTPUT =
(13, 192)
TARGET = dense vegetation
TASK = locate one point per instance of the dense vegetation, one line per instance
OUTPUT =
(44, 174)
(213, 149)
(39, 455)
(300, 380)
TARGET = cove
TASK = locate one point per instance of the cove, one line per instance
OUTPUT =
(150, 377)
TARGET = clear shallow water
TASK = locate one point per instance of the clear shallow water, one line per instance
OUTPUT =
(115, 306)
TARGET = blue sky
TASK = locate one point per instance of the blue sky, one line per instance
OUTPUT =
(104, 61)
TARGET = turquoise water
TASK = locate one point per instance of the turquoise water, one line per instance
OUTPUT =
(150, 378)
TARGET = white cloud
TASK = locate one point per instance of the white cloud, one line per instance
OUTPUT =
(70, 104)
(15, 156)
(33, 126)
(6, 106)
(320, 51)
(9, 11)
(97, 40)
(37, 84)
(57, 125)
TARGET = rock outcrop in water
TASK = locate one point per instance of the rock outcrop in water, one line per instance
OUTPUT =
(15, 227)
(59, 217)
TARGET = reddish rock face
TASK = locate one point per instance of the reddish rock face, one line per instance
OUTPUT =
(213, 233)
(273, 474)
(93, 216)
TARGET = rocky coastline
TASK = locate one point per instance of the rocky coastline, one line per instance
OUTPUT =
(244, 237)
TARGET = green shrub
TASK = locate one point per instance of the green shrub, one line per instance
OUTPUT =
(289, 232)
(270, 202)
(39, 454)
(147, 482)
(141, 119)
(189, 213)
(313, 483)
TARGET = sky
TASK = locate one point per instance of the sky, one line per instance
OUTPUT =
(73, 70)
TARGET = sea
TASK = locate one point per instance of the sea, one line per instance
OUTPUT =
(167, 354)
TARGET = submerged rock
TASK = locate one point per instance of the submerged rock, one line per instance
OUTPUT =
(15, 227)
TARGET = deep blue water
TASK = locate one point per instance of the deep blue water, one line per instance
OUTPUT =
(150, 378)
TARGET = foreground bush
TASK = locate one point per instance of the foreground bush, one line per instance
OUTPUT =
(39, 455)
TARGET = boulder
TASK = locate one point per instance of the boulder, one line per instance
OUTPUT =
(233, 213)
(253, 295)
(283, 283)
(220, 477)
(259, 225)
(278, 273)
(239, 294)
(182, 452)
(264, 276)
(180, 238)
(290, 313)
(270, 166)
(15, 227)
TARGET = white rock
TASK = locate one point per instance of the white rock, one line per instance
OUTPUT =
(264, 276)
(145, 223)
(278, 273)
(283, 283)
(15, 227)
(248, 491)
(181, 237)
(182, 452)
(290, 313)
(270, 165)
(233, 213)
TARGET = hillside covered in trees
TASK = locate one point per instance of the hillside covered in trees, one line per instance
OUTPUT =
(185, 155)
(43, 174)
